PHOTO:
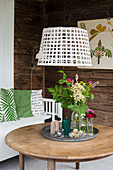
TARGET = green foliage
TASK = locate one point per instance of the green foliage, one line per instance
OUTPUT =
(74, 97)
(92, 96)
(62, 94)
(51, 89)
(78, 108)
(86, 92)
(60, 89)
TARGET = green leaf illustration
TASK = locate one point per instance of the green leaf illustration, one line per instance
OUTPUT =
(102, 48)
(103, 28)
(93, 31)
(100, 28)
(108, 53)
(92, 53)
(92, 37)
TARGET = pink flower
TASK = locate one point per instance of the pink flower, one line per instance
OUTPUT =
(69, 80)
(72, 82)
(76, 77)
(90, 82)
(94, 115)
(90, 110)
(95, 84)
(89, 116)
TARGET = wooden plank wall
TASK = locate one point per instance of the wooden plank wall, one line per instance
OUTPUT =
(28, 29)
(83, 10)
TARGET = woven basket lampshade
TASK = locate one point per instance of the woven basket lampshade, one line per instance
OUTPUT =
(64, 46)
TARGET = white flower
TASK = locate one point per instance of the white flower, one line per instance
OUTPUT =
(76, 115)
(77, 90)
(82, 115)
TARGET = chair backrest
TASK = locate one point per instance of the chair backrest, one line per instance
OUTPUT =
(52, 108)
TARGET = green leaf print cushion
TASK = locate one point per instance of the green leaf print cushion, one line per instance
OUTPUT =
(7, 106)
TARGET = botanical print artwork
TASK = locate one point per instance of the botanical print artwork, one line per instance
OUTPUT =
(101, 41)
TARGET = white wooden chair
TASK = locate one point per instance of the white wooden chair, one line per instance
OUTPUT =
(52, 108)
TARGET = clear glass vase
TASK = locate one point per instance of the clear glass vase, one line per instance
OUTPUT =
(82, 123)
(90, 126)
(75, 121)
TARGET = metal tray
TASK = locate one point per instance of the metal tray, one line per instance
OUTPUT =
(46, 132)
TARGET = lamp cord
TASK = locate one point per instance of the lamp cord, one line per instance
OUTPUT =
(64, 12)
(33, 52)
(64, 18)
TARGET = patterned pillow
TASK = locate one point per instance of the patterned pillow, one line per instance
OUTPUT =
(1, 116)
(8, 107)
(36, 102)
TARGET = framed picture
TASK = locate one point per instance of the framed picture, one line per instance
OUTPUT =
(100, 32)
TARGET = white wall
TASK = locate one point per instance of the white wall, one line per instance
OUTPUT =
(6, 43)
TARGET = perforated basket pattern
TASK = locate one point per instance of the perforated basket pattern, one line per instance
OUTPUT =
(64, 46)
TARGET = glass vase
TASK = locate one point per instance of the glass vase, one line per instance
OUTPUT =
(75, 121)
(90, 126)
(84, 125)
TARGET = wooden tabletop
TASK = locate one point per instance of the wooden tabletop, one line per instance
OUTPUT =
(30, 141)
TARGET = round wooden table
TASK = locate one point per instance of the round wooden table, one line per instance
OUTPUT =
(30, 141)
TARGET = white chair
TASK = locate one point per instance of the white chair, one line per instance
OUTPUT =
(52, 108)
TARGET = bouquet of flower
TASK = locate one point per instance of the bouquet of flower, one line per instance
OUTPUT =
(73, 95)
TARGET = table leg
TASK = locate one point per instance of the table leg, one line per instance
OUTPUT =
(21, 161)
(51, 164)
(77, 166)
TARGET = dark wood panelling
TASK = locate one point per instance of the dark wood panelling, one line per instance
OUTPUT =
(30, 3)
(58, 5)
(28, 30)
(77, 10)
(23, 81)
(25, 6)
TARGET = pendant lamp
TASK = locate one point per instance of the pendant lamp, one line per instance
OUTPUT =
(64, 46)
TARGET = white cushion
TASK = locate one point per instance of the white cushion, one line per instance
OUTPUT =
(36, 102)
(5, 127)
